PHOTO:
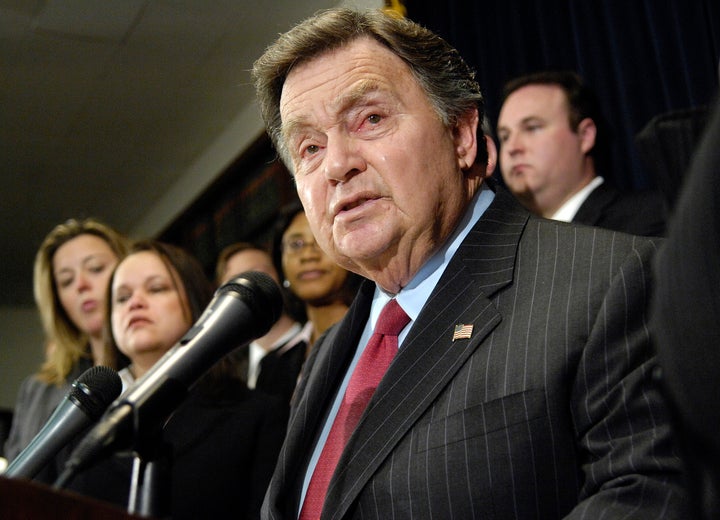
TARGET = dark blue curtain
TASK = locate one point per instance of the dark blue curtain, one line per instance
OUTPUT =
(643, 57)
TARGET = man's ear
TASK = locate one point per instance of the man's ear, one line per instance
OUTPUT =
(587, 131)
(465, 136)
(492, 155)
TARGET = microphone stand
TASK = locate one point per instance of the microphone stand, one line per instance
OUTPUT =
(149, 494)
(150, 480)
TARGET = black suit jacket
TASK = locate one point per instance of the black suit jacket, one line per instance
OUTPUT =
(279, 369)
(686, 317)
(223, 442)
(548, 410)
(641, 213)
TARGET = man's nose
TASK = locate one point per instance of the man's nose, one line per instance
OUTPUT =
(513, 144)
(343, 158)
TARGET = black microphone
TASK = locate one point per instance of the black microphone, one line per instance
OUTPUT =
(88, 397)
(243, 309)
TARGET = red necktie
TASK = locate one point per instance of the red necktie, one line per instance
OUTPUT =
(371, 367)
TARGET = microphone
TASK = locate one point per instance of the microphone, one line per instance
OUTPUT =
(243, 309)
(88, 397)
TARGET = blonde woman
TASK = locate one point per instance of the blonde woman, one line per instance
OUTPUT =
(71, 274)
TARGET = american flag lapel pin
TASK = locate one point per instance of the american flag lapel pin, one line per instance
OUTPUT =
(462, 331)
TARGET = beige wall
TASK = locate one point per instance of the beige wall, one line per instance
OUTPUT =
(21, 339)
(21, 349)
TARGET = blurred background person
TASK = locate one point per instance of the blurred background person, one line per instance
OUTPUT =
(325, 288)
(684, 319)
(554, 151)
(273, 362)
(224, 438)
(70, 282)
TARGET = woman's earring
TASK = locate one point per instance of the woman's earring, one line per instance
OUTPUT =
(286, 284)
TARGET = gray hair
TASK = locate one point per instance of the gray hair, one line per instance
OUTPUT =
(439, 69)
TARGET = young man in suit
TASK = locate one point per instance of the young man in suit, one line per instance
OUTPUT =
(554, 149)
(522, 386)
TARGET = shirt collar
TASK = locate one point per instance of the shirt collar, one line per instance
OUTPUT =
(567, 211)
(413, 296)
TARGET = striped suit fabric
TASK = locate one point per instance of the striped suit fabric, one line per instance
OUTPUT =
(548, 410)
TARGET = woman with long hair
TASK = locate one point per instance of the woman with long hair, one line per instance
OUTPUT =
(71, 273)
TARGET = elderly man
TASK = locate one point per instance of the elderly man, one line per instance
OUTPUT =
(522, 385)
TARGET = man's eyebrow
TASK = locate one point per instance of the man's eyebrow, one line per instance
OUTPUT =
(531, 118)
(523, 121)
(342, 105)
(355, 95)
(292, 127)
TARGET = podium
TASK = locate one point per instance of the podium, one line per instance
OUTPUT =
(26, 500)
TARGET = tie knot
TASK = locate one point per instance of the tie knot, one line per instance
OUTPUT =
(392, 319)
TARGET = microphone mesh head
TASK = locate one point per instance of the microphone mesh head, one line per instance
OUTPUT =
(261, 293)
(95, 389)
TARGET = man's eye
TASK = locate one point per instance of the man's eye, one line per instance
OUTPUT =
(374, 119)
(312, 149)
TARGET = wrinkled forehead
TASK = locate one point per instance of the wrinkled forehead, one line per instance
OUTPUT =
(340, 78)
(331, 60)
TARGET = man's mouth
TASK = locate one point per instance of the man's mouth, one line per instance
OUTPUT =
(354, 204)
(350, 204)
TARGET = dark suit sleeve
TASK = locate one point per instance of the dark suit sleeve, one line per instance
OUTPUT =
(626, 445)
(269, 439)
(686, 316)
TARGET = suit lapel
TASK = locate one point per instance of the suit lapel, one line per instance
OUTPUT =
(429, 358)
(590, 211)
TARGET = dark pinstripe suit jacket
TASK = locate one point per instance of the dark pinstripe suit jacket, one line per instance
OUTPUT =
(549, 410)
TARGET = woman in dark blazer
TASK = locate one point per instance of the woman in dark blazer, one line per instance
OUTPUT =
(224, 438)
